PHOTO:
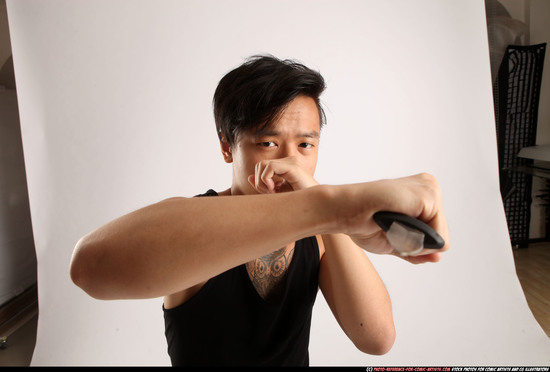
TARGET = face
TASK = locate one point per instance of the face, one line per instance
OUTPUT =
(295, 134)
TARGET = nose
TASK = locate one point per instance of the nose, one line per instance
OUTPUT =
(288, 151)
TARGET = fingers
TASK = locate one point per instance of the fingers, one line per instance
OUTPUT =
(269, 186)
(423, 192)
(265, 180)
(432, 257)
(271, 175)
(417, 196)
(434, 215)
(280, 175)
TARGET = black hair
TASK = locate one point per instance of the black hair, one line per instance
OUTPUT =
(254, 94)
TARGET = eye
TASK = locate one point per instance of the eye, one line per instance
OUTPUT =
(267, 144)
(306, 145)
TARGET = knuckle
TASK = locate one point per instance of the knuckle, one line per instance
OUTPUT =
(428, 178)
(430, 182)
(262, 163)
(429, 191)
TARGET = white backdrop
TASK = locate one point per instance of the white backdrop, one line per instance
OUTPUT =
(115, 105)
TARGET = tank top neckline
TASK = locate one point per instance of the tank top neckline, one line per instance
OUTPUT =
(290, 272)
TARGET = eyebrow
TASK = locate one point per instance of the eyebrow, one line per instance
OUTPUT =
(274, 133)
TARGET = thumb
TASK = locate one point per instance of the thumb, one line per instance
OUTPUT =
(252, 180)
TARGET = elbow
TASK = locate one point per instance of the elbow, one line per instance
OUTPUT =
(385, 343)
(84, 270)
(376, 343)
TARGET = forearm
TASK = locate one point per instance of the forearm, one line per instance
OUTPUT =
(356, 295)
(177, 243)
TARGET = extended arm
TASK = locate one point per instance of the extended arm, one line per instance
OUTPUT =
(177, 243)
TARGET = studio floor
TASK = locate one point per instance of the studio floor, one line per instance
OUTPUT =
(532, 266)
(533, 269)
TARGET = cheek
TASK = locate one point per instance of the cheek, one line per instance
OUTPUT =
(310, 164)
(312, 169)
(244, 163)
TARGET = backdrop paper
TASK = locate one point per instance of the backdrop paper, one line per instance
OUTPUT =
(115, 107)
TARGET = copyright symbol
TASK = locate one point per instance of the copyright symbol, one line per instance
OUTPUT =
(369, 369)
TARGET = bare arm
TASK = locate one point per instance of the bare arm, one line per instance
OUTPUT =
(174, 244)
(356, 295)
(177, 243)
(350, 284)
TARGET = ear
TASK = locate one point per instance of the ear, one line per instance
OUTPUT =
(226, 150)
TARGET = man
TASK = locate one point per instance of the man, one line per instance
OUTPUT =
(239, 270)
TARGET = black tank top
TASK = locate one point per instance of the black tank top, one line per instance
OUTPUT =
(227, 323)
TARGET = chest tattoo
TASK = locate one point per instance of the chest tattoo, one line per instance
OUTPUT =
(268, 273)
